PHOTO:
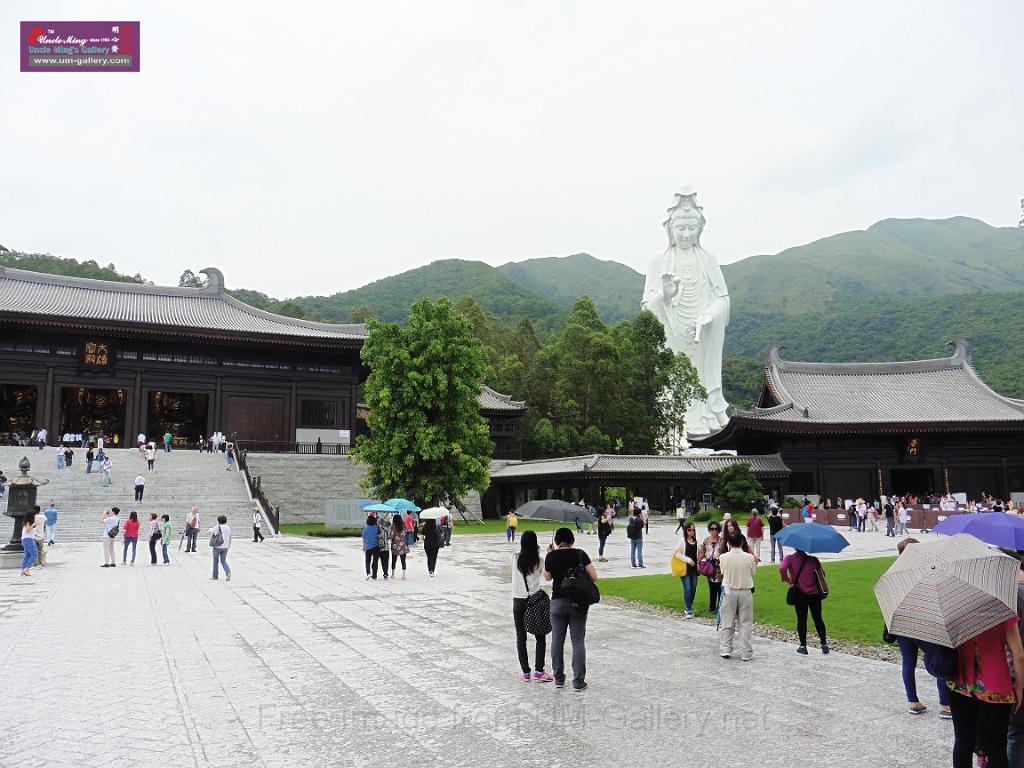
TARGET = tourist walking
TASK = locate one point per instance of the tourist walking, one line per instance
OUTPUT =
(410, 529)
(50, 513)
(154, 536)
(738, 570)
(755, 532)
(645, 516)
(446, 530)
(69, 456)
(257, 524)
(371, 544)
(90, 457)
(60, 457)
(111, 527)
(28, 544)
(150, 455)
(140, 487)
(383, 540)
(220, 541)
(775, 525)
(635, 534)
(604, 530)
(686, 550)
(680, 517)
(708, 564)
(890, 519)
(168, 439)
(191, 529)
(131, 536)
(806, 578)
(399, 544)
(902, 519)
(566, 615)
(511, 521)
(431, 544)
(165, 537)
(526, 572)
(39, 532)
(106, 467)
(229, 457)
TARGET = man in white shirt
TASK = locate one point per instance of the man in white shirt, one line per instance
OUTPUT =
(257, 523)
(738, 569)
(191, 529)
(140, 486)
(110, 522)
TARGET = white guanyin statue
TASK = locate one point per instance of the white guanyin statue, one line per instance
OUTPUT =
(685, 289)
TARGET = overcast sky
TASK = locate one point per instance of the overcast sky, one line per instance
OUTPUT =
(314, 147)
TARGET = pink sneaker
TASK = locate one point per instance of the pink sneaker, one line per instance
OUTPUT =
(526, 677)
(543, 677)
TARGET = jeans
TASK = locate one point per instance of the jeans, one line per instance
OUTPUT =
(979, 724)
(410, 538)
(636, 553)
(50, 531)
(190, 539)
(31, 553)
(60, 461)
(150, 462)
(803, 603)
(134, 541)
(167, 447)
(775, 543)
(106, 479)
(164, 547)
(88, 466)
(446, 533)
(890, 529)
(862, 524)
(908, 653)
(510, 533)
(220, 555)
(152, 548)
(738, 608)
(518, 616)
(565, 615)
(600, 544)
(689, 587)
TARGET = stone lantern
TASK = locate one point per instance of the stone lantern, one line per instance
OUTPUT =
(21, 498)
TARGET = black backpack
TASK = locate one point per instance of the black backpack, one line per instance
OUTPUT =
(578, 587)
(633, 528)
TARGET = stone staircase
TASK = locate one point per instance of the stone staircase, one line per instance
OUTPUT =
(302, 485)
(179, 480)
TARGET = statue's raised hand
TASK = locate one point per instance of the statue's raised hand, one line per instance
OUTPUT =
(669, 286)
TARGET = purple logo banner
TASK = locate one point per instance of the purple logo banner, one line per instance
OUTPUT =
(79, 46)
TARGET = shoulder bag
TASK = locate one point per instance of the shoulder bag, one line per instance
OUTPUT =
(819, 574)
(112, 533)
(217, 539)
(537, 618)
(794, 590)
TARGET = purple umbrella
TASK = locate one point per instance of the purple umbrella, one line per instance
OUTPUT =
(997, 528)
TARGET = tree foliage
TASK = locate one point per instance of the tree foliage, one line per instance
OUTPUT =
(427, 438)
(736, 488)
(190, 279)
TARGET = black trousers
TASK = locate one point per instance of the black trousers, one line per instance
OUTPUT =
(139, 490)
(803, 603)
(394, 561)
(152, 548)
(978, 724)
(431, 559)
(190, 539)
(519, 616)
(715, 589)
(257, 534)
(372, 557)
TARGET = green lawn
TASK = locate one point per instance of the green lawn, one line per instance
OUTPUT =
(851, 612)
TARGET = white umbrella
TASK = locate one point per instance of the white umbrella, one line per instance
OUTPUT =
(434, 513)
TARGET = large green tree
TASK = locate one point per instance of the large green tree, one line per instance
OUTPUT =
(427, 438)
(736, 488)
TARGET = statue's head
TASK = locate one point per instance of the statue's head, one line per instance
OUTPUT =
(685, 221)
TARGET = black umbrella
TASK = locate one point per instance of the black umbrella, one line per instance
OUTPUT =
(552, 509)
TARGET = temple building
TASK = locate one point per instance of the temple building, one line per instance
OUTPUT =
(865, 429)
(79, 355)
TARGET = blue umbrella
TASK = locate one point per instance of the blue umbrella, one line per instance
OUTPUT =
(996, 528)
(379, 508)
(402, 505)
(812, 538)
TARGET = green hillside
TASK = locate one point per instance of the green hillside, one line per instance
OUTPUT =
(904, 258)
(55, 265)
(615, 288)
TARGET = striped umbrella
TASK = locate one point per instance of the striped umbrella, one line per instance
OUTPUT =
(948, 591)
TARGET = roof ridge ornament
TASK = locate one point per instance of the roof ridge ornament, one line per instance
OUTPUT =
(962, 351)
(214, 280)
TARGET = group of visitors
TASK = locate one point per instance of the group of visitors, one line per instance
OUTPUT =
(396, 536)
(213, 443)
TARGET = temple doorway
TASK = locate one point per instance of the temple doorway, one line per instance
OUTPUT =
(183, 414)
(912, 482)
(93, 410)
(17, 409)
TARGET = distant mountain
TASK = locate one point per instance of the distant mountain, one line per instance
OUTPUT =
(55, 265)
(903, 258)
(615, 288)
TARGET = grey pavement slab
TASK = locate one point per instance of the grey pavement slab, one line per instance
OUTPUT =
(300, 661)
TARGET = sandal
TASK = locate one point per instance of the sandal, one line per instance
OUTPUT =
(918, 710)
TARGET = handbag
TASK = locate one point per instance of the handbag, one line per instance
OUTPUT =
(819, 574)
(112, 533)
(579, 588)
(794, 590)
(706, 568)
(941, 662)
(217, 539)
(537, 617)
(679, 567)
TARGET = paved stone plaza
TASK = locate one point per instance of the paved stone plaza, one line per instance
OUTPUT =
(300, 662)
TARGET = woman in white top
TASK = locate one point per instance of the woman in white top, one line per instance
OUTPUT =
(526, 570)
(220, 551)
(28, 544)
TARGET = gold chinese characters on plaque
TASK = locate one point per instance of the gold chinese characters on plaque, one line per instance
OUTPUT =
(96, 354)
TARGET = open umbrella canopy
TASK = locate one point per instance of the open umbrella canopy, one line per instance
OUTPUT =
(402, 505)
(379, 508)
(812, 538)
(434, 513)
(995, 528)
(948, 591)
(551, 509)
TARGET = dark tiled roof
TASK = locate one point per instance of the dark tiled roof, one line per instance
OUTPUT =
(495, 401)
(946, 390)
(56, 297)
(629, 466)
